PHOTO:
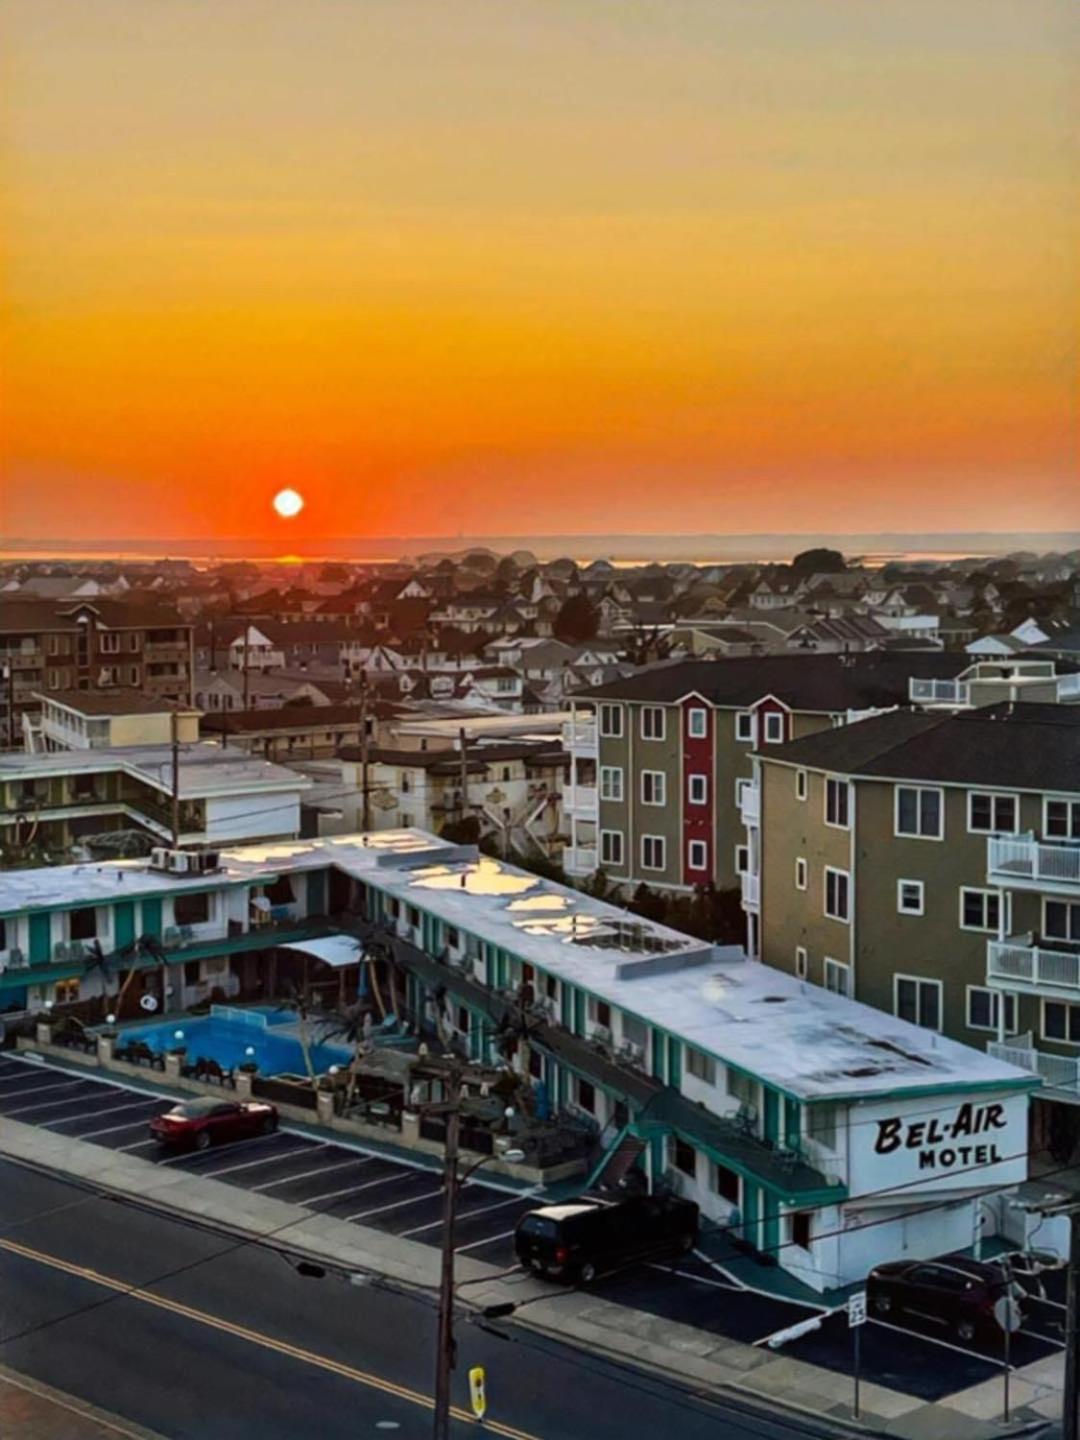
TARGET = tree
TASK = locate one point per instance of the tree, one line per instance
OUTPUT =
(820, 561)
(577, 620)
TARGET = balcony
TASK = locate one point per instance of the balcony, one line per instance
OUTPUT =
(1026, 863)
(579, 736)
(582, 801)
(750, 804)
(751, 891)
(25, 659)
(1058, 1072)
(580, 861)
(1020, 963)
(939, 692)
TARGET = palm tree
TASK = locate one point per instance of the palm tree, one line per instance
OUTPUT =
(354, 1026)
(299, 1004)
(95, 961)
(146, 945)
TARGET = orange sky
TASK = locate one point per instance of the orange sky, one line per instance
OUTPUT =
(489, 266)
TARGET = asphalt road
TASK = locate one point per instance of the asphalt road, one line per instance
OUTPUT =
(225, 1341)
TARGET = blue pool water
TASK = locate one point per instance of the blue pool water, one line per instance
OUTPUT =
(226, 1033)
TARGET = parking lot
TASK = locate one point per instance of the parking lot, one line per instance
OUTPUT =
(404, 1197)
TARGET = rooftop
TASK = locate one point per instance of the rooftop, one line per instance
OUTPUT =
(206, 769)
(116, 701)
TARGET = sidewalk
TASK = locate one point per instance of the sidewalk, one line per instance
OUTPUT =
(677, 1351)
(33, 1411)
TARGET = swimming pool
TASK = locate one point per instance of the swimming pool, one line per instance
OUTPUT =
(227, 1033)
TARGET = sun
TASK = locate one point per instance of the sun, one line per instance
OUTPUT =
(288, 503)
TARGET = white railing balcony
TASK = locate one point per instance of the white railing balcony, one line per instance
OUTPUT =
(751, 890)
(1020, 964)
(580, 861)
(1029, 862)
(1058, 1072)
(750, 804)
(579, 736)
(1068, 687)
(581, 800)
(939, 692)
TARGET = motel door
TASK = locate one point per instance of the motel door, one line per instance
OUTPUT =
(151, 917)
(772, 1116)
(40, 938)
(123, 923)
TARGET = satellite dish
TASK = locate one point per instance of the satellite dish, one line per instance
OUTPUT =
(149, 1003)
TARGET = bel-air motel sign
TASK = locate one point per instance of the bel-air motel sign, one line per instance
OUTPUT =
(955, 1144)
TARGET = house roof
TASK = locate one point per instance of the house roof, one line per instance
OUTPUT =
(111, 702)
(1012, 746)
(829, 683)
(28, 616)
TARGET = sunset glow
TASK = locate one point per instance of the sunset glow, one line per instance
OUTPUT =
(539, 267)
(288, 504)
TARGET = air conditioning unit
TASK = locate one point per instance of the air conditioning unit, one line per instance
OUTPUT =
(159, 858)
(181, 863)
(602, 1035)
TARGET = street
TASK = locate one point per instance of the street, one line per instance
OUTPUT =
(225, 1340)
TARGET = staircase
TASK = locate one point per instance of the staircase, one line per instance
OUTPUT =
(616, 1162)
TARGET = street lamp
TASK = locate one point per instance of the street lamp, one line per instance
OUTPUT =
(445, 1347)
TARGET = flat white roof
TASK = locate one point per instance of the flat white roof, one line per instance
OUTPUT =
(804, 1039)
(206, 769)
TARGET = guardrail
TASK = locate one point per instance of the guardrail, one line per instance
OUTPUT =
(1020, 960)
(939, 692)
(1059, 1072)
(1025, 858)
(580, 861)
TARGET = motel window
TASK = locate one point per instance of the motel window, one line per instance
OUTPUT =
(599, 1012)
(611, 721)
(742, 859)
(744, 726)
(412, 915)
(611, 783)
(586, 1096)
(3, 934)
(83, 924)
(1061, 920)
(66, 992)
(821, 1125)
(742, 1088)
(910, 897)
(801, 1226)
(919, 812)
(800, 784)
(463, 1020)
(652, 852)
(652, 722)
(698, 855)
(982, 1009)
(1061, 1021)
(802, 964)
(281, 891)
(700, 1065)
(611, 847)
(774, 728)
(725, 1182)
(992, 814)
(837, 894)
(697, 723)
(653, 787)
(838, 803)
(800, 874)
(837, 977)
(192, 909)
(698, 789)
(191, 972)
(683, 1157)
(917, 1000)
(1062, 820)
(980, 910)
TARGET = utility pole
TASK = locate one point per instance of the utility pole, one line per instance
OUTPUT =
(464, 773)
(445, 1346)
(174, 727)
(247, 683)
(1070, 1409)
(365, 787)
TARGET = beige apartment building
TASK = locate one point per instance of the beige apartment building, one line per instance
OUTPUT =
(928, 864)
(662, 760)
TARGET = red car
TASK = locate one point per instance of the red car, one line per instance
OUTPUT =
(208, 1121)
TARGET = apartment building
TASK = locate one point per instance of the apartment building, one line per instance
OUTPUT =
(109, 719)
(928, 865)
(95, 644)
(779, 1107)
(660, 759)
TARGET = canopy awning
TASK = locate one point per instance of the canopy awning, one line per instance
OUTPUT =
(335, 950)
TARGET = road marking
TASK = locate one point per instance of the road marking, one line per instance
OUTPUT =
(138, 1145)
(106, 1110)
(933, 1340)
(476, 1244)
(202, 1154)
(307, 1174)
(142, 1122)
(255, 1337)
(250, 1164)
(715, 1265)
(395, 1205)
(464, 1215)
(701, 1279)
(349, 1190)
(45, 1104)
(36, 1089)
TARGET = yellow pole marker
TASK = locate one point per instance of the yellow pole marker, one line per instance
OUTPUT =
(477, 1392)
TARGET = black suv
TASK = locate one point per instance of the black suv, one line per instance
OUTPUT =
(952, 1294)
(575, 1242)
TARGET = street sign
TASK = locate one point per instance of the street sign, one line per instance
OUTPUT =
(856, 1309)
(1008, 1314)
(477, 1393)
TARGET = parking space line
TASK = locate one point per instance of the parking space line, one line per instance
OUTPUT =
(37, 1089)
(202, 1154)
(112, 1130)
(348, 1190)
(105, 1110)
(736, 1283)
(44, 1104)
(701, 1279)
(250, 1164)
(136, 1145)
(933, 1340)
(307, 1174)
(396, 1205)
(476, 1244)
(462, 1217)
